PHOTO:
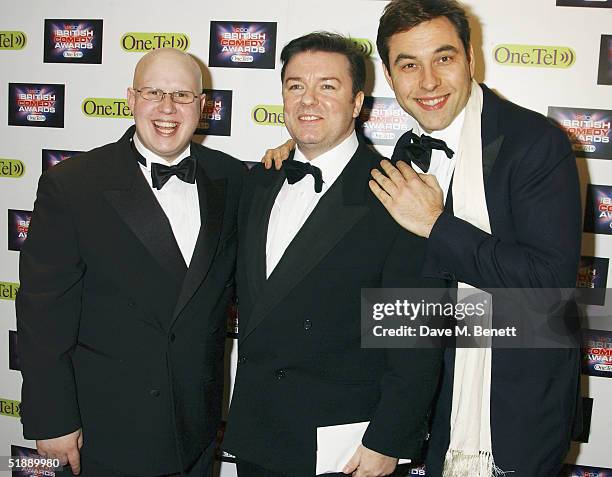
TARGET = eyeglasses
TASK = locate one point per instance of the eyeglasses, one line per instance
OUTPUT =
(157, 95)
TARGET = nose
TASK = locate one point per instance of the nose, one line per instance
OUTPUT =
(166, 105)
(429, 80)
(309, 97)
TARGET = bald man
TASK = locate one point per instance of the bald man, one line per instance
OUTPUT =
(125, 279)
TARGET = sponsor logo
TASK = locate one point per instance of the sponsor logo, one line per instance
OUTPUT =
(535, 56)
(50, 157)
(106, 108)
(588, 130)
(242, 44)
(11, 168)
(28, 463)
(13, 40)
(584, 471)
(365, 46)
(143, 41)
(73, 41)
(598, 209)
(592, 280)
(18, 225)
(268, 115)
(597, 353)
(605, 60)
(8, 290)
(382, 121)
(9, 408)
(13, 354)
(216, 118)
(37, 105)
(585, 3)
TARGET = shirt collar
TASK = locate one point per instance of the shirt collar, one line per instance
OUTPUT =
(150, 156)
(332, 162)
(450, 134)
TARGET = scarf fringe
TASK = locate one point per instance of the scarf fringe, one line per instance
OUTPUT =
(459, 464)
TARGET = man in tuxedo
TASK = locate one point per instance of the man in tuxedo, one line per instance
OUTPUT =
(500, 211)
(125, 279)
(311, 236)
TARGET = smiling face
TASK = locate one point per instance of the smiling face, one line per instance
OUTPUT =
(430, 72)
(165, 127)
(319, 105)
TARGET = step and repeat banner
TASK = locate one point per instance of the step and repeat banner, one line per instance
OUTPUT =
(66, 66)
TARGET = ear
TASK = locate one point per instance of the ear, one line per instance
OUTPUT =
(358, 103)
(131, 98)
(472, 63)
(388, 76)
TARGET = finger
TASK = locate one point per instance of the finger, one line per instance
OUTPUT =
(279, 158)
(430, 180)
(267, 159)
(394, 174)
(380, 194)
(352, 464)
(384, 182)
(74, 459)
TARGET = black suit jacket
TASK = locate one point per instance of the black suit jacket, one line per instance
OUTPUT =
(300, 362)
(533, 199)
(116, 334)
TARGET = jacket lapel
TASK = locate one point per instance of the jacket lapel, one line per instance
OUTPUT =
(133, 200)
(212, 206)
(342, 206)
(492, 139)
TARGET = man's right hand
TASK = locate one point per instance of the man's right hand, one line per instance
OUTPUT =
(277, 155)
(65, 448)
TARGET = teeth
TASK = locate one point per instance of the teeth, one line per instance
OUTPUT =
(165, 124)
(431, 102)
(309, 118)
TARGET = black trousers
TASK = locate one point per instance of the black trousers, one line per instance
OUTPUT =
(90, 468)
(248, 469)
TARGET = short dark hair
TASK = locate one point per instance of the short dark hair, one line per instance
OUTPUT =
(329, 43)
(402, 15)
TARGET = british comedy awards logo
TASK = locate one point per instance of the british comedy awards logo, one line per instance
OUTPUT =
(598, 209)
(588, 130)
(592, 280)
(73, 41)
(382, 121)
(605, 60)
(51, 157)
(216, 119)
(585, 3)
(37, 105)
(18, 225)
(242, 44)
(597, 353)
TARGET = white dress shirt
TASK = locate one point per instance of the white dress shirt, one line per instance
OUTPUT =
(441, 166)
(177, 198)
(295, 202)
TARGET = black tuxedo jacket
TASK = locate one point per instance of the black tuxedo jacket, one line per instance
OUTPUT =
(116, 334)
(300, 361)
(533, 199)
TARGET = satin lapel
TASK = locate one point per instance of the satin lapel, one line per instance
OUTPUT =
(492, 140)
(337, 212)
(135, 203)
(256, 234)
(212, 206)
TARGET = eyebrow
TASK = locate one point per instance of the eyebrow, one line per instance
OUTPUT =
(327, 78)
(443, 48)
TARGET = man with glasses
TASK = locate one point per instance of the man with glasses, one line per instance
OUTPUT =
(125, 280)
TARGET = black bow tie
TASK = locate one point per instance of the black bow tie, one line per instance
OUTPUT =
(184, 170)
(417, 149)
(160, 174)
(296, 170)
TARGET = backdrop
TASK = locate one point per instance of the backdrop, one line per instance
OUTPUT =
(66, 66)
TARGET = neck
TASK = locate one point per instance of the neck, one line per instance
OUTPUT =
(312, 151)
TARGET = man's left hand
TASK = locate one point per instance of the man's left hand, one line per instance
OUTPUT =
(414, 200)
(369, 463)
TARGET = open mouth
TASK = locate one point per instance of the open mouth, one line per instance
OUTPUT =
(432, 104)
(308, 118)
(165, 128)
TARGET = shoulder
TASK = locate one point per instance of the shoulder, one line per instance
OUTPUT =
(218, 164)
(79, 168)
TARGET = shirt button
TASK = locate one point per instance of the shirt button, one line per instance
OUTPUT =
(280, 374)
(307, 324)
(154, 393)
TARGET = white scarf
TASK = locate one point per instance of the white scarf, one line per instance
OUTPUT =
(470, 452)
